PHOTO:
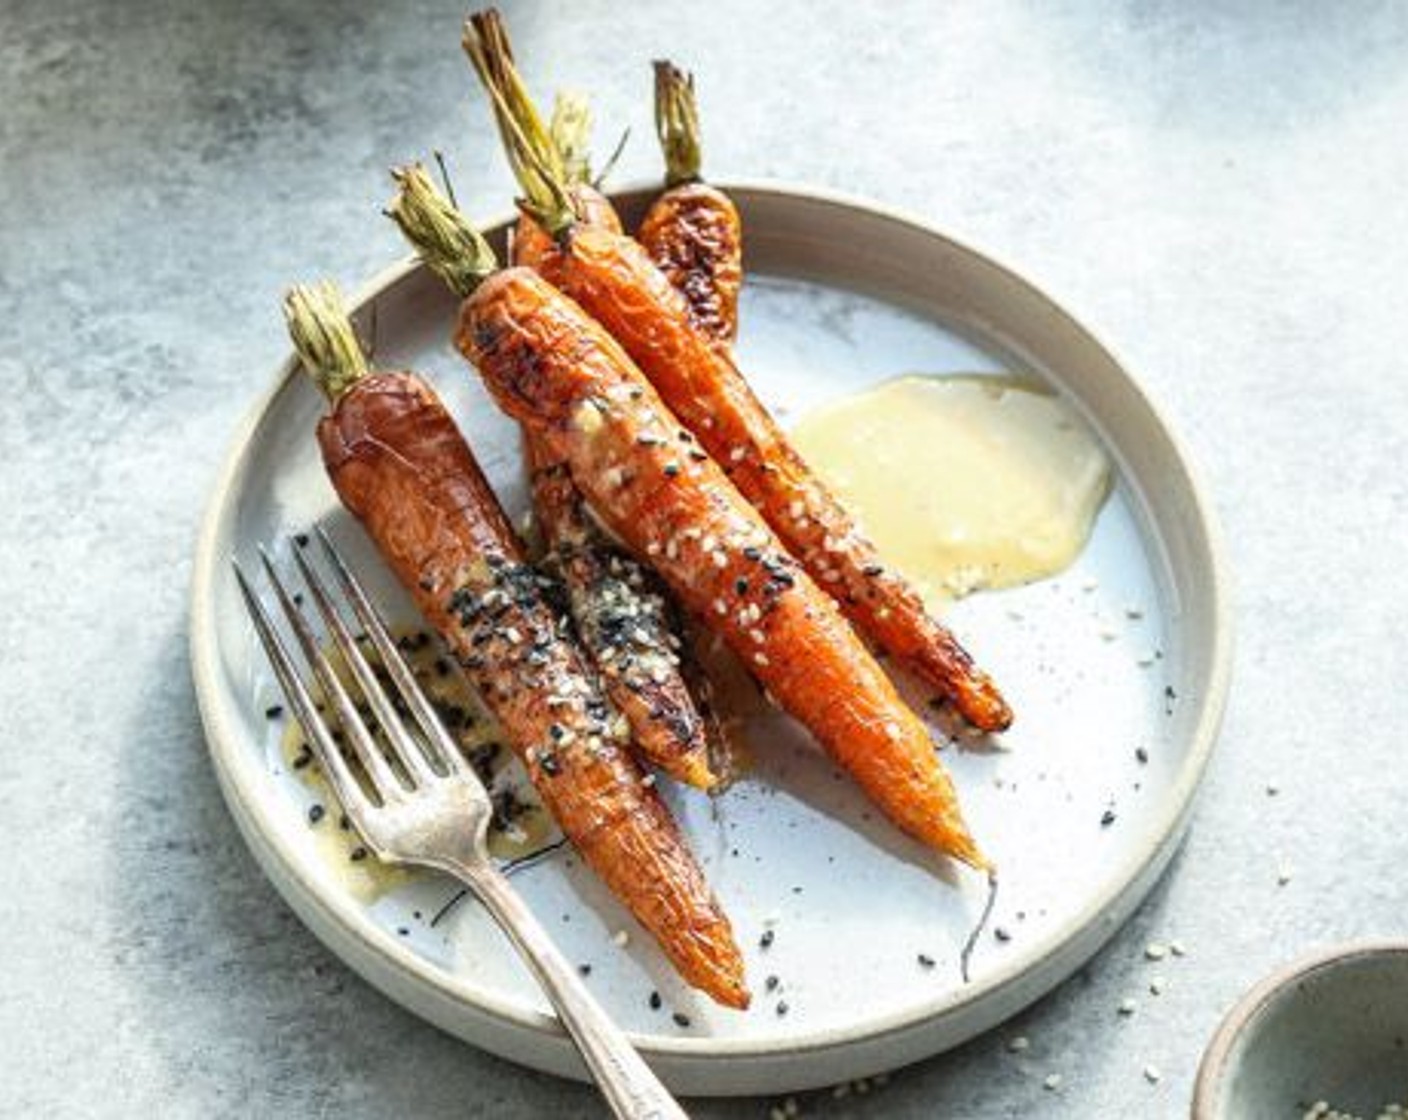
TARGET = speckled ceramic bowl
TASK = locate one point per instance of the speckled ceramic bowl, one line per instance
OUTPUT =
(1331, 1027)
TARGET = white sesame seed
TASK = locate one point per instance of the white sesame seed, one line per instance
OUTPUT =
(1283, 876)
(1152, 1074)
(1155, 952)
(720, 559)
(720, 607)
(756, 635)
(1134, 612)
(648, 781)
(796, 508)
(709, 543)
(1019, 1044)
(1156, 986)
(1128, 1006)
(653, 548)
(1177, 948)
(736, 455)
(760, 658)
(620, 939)
(672, 549)
(513, 635)
(1052, 1082)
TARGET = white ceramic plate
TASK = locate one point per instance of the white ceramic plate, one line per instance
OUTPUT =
(840, 295)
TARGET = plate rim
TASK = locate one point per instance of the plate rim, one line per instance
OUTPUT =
(1139, 870)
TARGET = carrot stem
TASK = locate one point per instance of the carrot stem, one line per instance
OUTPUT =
(444, 237)
(323, 336)
(677, 123)
(531, 152)
(570, 130)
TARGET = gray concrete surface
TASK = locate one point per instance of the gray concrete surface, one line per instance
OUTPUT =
(1218, 189)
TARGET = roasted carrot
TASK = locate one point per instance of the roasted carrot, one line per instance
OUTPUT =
(400, 465)
(692, 231)
(625, 623)
(553, 368)
(616, 283)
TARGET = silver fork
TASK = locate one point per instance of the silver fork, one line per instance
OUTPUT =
(431, 809)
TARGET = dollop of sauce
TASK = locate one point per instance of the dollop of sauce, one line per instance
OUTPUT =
(962, 481)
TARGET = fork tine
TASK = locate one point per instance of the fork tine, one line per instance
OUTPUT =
(383, 778)
(407, 750)
(394, 664)
(344, 783)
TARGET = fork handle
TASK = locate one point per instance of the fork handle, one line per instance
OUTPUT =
(630, 1088)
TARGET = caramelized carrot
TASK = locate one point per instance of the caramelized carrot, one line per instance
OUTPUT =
(628, 627)
(625, 624)
(553, 368)
(402, 468)
(692, 230)
(616, 283)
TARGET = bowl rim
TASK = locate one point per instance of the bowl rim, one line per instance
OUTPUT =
(1244, 1015)
(333, 920)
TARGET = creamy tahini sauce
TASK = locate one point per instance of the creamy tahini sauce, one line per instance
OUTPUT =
(962, 481)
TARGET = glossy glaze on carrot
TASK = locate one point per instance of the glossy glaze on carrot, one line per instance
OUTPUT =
(692, 230)
(614, 280)
(401, 466)
(625, 624)
(549, 365)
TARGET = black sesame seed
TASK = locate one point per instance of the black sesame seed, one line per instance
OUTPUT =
(671, 469)
(681, 1019)
(358, 854)
(655, 1001)
(551, 767)
(273, 711)
(740, 585)
(584, 969)
(1107, 818)
(1141, 755)
(771, 983)
(343, 823)
(925, 961)
(301, 539)
(403, 931)
(315, 813)
(765, 942)
(1002, 933)
(781, 1007)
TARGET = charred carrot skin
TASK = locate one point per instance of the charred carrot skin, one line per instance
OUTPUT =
(551, 366)
(614, 281)
(400, 465)
(692, 231)
(624, 623)
(694, 236)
